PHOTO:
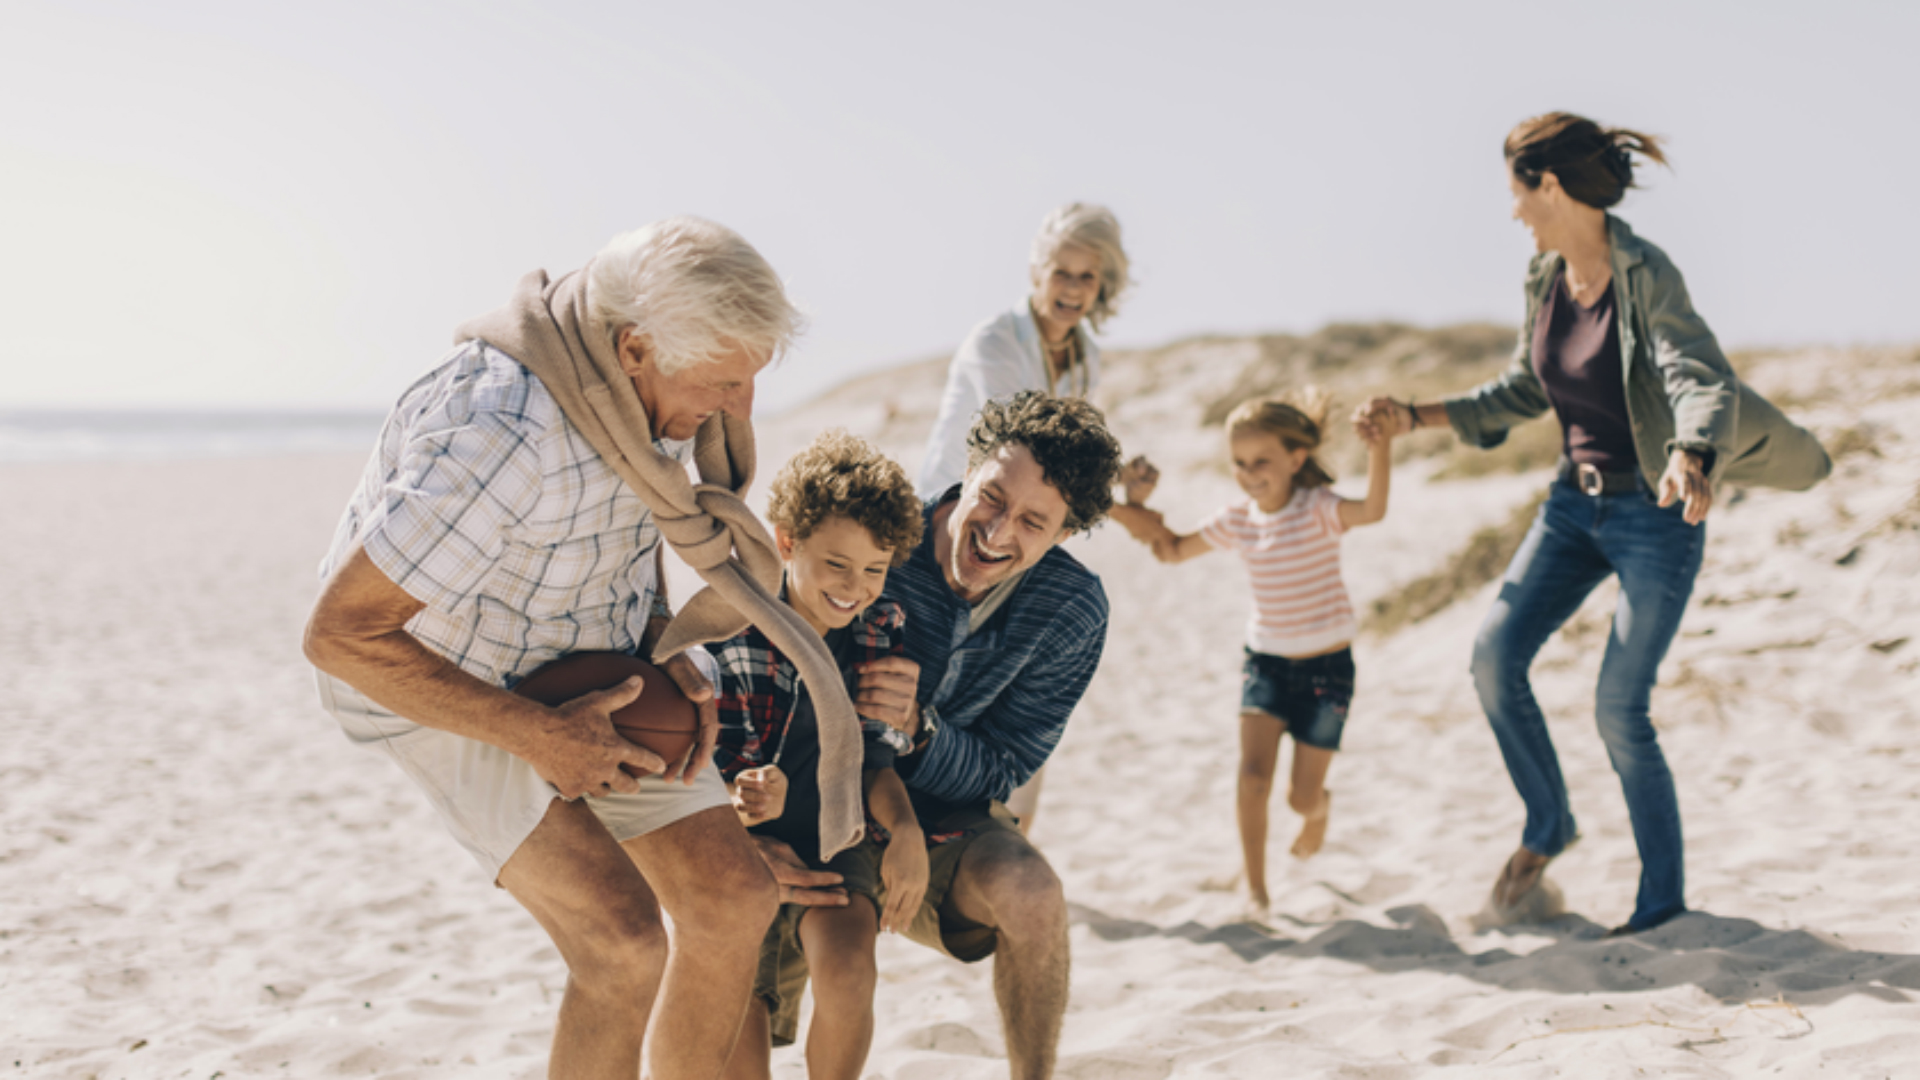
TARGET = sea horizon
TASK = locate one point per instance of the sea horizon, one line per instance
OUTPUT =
(55, 434)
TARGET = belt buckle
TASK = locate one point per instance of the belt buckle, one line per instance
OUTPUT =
(1590, 480)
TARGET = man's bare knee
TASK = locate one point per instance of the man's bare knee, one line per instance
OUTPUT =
(709, 876)
(1023, 894)
(734, 898)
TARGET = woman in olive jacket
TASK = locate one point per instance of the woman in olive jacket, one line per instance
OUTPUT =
(1653, 419)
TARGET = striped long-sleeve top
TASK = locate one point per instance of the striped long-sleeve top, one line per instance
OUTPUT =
(999, 698)
(1300, 604)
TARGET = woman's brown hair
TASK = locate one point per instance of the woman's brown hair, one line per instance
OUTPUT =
(1592, 162)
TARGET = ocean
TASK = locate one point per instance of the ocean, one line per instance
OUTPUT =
(29, 435)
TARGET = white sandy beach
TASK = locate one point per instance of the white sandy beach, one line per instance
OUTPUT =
(200, 878)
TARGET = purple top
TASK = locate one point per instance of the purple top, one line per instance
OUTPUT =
(1576, 355)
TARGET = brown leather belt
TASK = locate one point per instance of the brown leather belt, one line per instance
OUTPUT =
(1591, 481)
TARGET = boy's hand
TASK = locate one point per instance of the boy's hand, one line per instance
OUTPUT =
(760, 794)
(1137, 480)
(903, 870)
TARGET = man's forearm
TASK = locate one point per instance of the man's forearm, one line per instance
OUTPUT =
(357, 633)
(401, 674)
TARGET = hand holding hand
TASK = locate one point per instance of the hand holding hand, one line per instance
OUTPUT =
(1138, 478)
(799, 885)
(1380, 419)
(578, 751)
(686, 675)
(1686, 480)
(903, 869)
(889, 691)
(760, 794)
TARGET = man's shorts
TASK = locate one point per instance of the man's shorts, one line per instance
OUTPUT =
(937, 924)
(490, 800)
(1310, 696)
(784, 970)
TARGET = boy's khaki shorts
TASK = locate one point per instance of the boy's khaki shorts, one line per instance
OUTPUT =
(490, 800)
(784, 971)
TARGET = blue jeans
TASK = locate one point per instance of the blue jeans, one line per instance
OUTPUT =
(1575, 543)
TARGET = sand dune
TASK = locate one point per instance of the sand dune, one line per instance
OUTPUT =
(199, 878)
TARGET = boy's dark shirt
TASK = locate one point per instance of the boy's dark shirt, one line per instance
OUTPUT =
(760, 691)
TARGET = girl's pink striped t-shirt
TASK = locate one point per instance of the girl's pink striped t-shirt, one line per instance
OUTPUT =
(1300, 604)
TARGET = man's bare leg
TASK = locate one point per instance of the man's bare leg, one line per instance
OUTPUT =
(1004, 883)
(587, 895)
(839, 944)
(1308, 795)
(721, 897)
(1259, 755)
(753, 1053)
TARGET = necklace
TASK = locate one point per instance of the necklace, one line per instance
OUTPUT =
(1075, 367)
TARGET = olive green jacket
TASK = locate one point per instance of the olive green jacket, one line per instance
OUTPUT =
(1681, 392)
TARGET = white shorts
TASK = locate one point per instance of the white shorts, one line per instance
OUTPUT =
(490, 800)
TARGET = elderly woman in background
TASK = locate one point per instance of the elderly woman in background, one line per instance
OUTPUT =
(1044, 342)
(1652, 419)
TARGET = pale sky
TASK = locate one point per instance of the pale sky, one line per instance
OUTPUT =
(240, 204)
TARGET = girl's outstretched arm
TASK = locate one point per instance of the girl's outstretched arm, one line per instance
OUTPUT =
(1174, 548)
(1377, 431)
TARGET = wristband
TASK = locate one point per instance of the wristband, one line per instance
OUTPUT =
(928, 725)
(660, 610)
(1413, 415)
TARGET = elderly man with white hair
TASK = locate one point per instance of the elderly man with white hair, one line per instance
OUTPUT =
(512, 513)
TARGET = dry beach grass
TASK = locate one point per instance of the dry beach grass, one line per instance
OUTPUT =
(199, 878)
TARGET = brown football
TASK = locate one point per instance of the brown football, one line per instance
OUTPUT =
(660, 719)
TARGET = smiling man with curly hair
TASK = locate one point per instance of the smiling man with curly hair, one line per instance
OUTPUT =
(1004, 630)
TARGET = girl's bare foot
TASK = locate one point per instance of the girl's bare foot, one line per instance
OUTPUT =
(1313, 832)
(1519, 876)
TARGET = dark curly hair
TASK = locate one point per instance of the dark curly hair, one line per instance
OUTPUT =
(1069, 440)
(842, 475)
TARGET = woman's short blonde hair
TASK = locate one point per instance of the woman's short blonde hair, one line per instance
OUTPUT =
(1298, 419)
(1096, 229)
(694, 290)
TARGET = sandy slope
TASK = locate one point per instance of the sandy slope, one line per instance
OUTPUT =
(198, 877)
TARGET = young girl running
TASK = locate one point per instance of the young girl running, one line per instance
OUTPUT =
(1298, 676)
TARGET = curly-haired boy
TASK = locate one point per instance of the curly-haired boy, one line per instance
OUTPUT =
(843, 515)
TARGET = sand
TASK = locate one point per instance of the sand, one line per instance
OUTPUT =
(199, 877)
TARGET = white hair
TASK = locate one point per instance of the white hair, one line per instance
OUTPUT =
(694, 290)
(1096, 229)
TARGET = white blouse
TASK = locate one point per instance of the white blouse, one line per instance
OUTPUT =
(999, 359)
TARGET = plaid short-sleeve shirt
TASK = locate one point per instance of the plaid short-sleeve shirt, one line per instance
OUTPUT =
(485, 504)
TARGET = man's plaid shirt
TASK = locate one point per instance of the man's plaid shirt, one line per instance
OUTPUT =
(758, 686)
(487, 505)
